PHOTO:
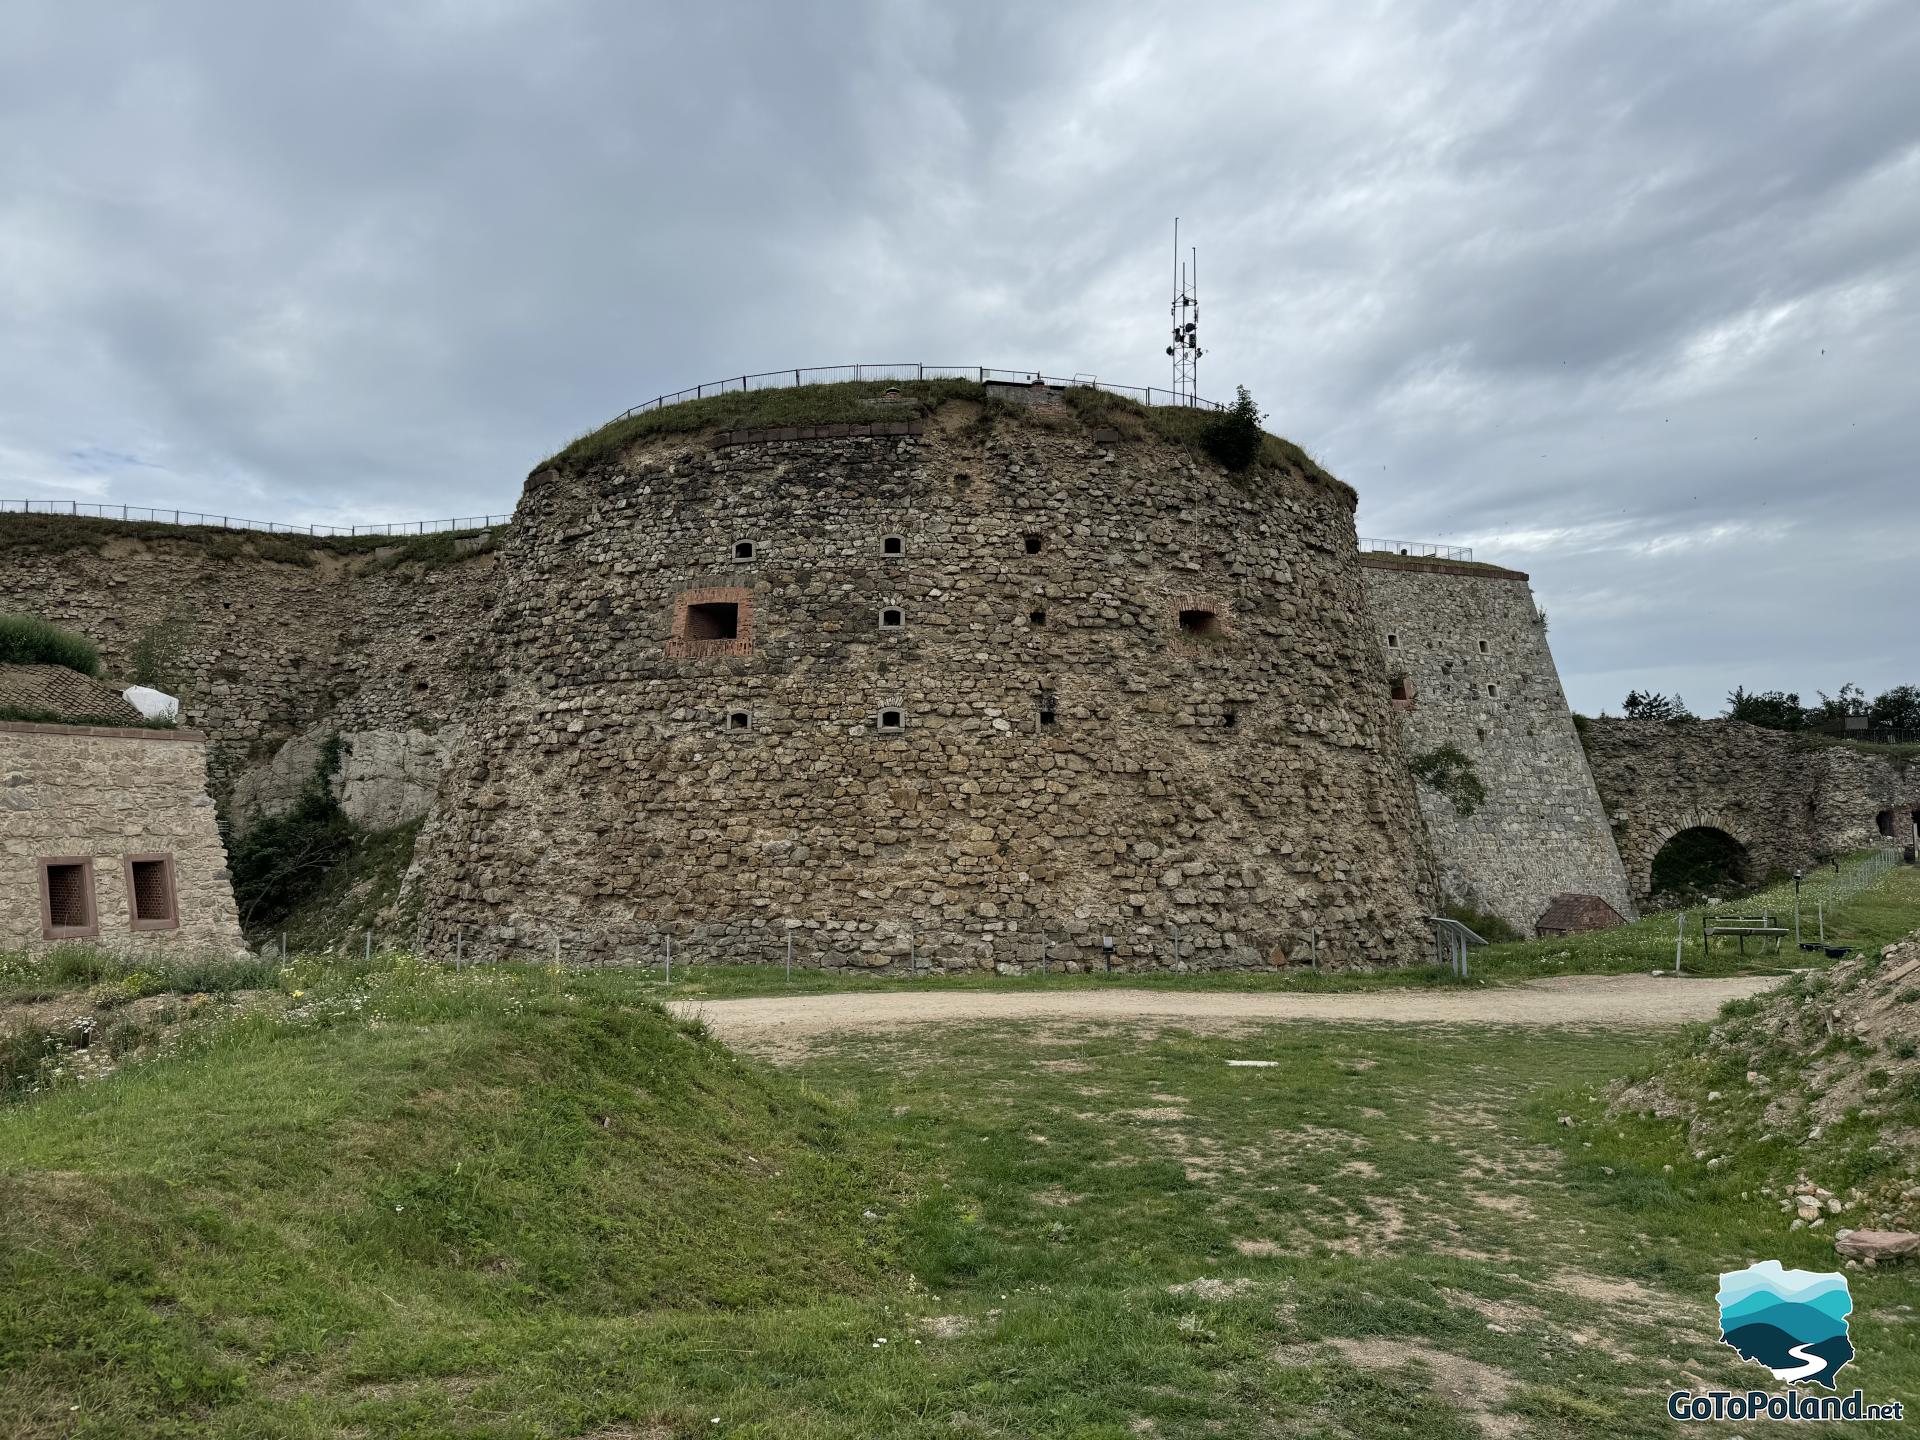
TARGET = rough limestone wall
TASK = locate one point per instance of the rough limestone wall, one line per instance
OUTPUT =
(600, 797)
(72, 791)
(271, 651)
(382, 778)
(1789, 799)
(1541, 830)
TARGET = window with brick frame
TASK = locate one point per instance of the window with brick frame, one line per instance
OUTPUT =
(711, 622)
(150, 893)
(67, 909)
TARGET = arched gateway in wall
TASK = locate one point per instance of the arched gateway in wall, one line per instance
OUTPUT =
(1659, 839)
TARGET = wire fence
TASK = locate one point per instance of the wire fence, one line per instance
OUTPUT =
(913, 370)
(1855, 878)
(149, 515)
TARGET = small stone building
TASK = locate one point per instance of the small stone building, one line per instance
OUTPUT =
(107, 833)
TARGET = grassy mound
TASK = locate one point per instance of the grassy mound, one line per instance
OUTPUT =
(862, 401)
(849, 402)
(1813, 1089)
(30, 535)
(399, 1172)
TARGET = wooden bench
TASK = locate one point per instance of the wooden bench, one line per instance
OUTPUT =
(1759, 926)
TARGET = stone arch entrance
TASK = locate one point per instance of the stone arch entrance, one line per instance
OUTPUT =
(1697, 859)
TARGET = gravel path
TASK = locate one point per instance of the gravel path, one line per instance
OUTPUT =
(784, 1024)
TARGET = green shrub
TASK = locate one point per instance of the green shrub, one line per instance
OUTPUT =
(282, 861)
(159, 651)
(1489, 927)
(28, 640)
(1234, 437)
(1448, 771)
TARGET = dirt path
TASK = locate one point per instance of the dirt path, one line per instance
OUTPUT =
(781, 1023)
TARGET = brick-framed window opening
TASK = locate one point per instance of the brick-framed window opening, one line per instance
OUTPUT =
(717, 620)
(1198, 618)
(151, 904)
(67, 908)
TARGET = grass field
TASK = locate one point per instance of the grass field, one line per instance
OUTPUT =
(389, 1200)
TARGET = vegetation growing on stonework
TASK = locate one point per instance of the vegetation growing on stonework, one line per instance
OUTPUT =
(282, 861)
(849, 402)
(1183, 426)
(1652, 705)
(29, 640)
(1447, 770)
(1234, 437)
(159, 651)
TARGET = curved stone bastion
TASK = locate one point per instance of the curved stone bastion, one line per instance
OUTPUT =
(971, 690)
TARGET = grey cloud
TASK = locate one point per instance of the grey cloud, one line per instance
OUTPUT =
(1554, 281)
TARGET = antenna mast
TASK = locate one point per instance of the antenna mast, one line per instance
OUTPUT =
(1185, 310)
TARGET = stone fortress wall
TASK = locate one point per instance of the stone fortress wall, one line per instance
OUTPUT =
(1036, 756)
(275, 645)
(1788, 799)
(1132, 790)
(1466, 650)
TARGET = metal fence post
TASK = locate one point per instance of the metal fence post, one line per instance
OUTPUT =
(1679, 941)
(789, 957)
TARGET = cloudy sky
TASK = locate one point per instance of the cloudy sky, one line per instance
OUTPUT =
(1625, 295)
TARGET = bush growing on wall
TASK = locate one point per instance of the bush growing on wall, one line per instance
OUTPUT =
(159, 650)
(1450, 772)
(1235, 437)
(283, 860)
(27, 640)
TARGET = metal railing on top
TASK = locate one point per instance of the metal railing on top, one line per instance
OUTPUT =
(463, 523)
(235, 522)
(1418, 548)
(910, 370)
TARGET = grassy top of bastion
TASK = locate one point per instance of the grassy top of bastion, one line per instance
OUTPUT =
(23, 535)
(867, 401)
